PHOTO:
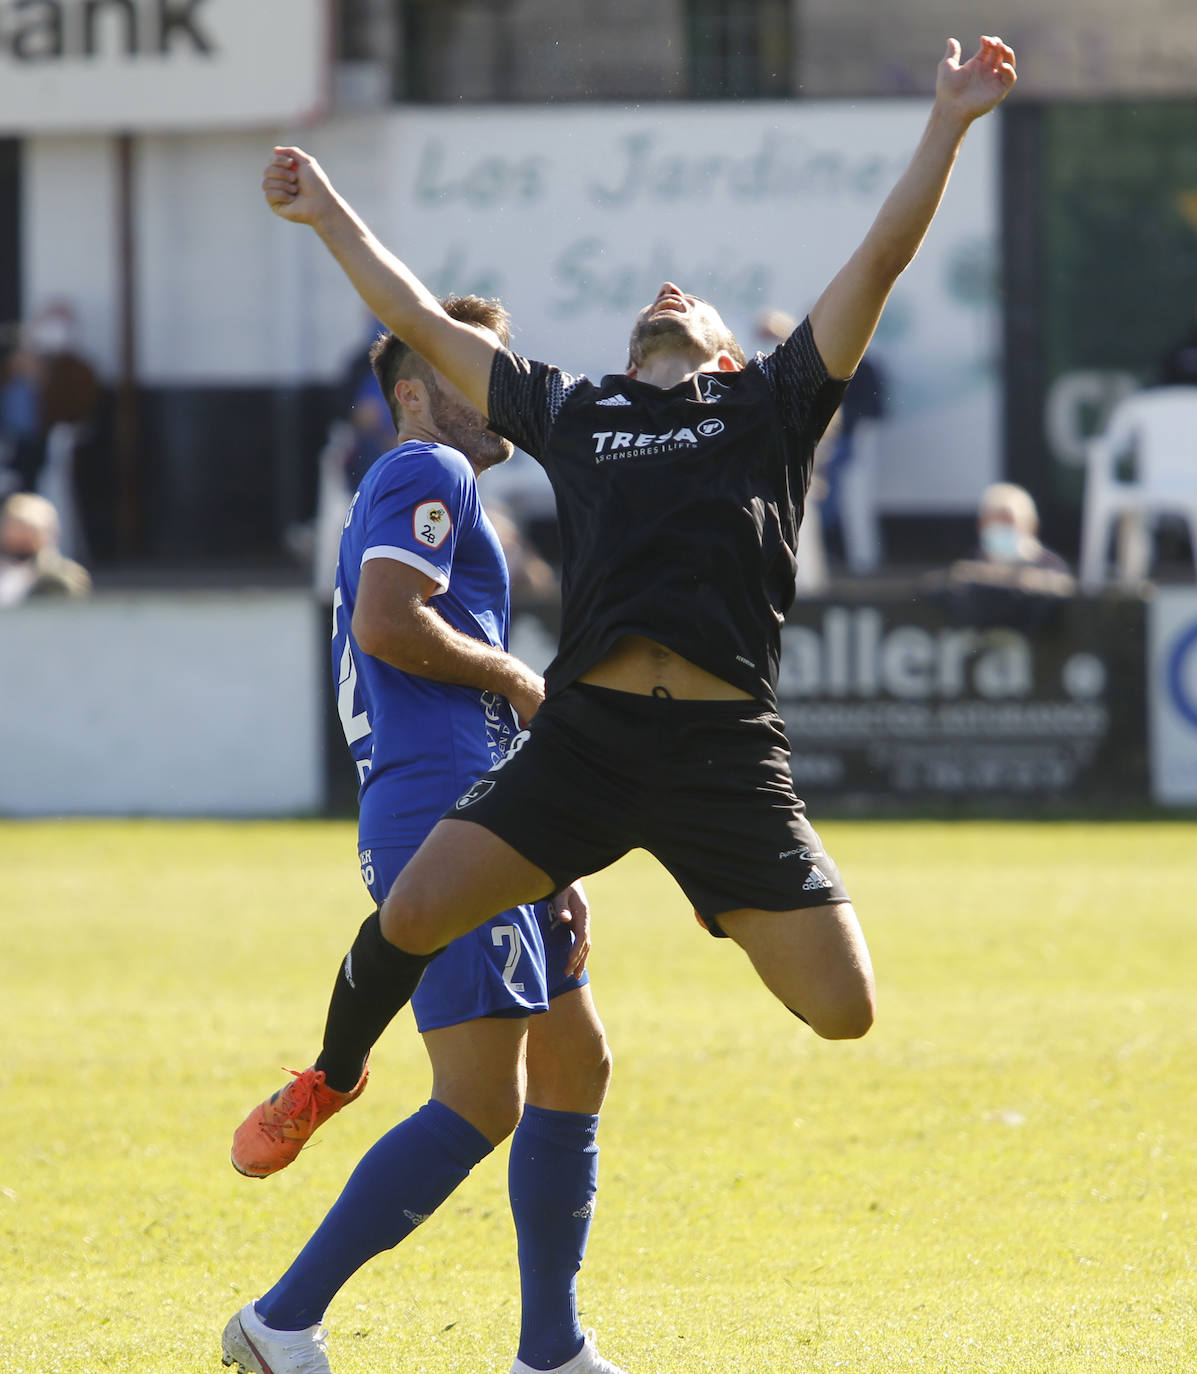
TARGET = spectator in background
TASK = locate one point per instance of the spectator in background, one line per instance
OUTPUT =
(810, 559)
(849, 505)
(65, 386)
(360, 433)
(49, 406)
(31, 563)
(1012, 579)
(362, 404)
(20, 415)
(844, 478)
(1008, 531)
(70, 386)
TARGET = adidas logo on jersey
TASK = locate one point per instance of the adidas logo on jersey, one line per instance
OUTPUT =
(815, 880)
(617, 400)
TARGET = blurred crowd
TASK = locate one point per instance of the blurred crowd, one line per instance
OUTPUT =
(49, 400)
(50, 397)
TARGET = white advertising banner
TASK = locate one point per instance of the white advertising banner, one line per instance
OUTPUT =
(131, 65)
(1172, 695)
(574, 217)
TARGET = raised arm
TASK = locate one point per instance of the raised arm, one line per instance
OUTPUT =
(297, 189)
(846, 314)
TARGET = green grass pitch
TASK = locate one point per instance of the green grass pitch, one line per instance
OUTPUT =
(1001, 1177)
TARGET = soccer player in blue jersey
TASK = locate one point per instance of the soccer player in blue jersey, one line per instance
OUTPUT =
(428, 697)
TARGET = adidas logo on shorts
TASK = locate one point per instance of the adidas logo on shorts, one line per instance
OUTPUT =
(815, 880)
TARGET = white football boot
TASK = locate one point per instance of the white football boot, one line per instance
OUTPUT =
(256, 1348)
(586, 1361)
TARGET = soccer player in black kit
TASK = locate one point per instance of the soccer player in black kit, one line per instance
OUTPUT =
(680, 486)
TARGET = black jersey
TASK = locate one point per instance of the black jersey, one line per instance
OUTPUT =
(679, 509)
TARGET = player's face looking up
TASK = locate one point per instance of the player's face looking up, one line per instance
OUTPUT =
(678, 322)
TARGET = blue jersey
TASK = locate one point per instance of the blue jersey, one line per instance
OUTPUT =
(418, 743)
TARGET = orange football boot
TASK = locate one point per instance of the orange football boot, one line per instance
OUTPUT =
(276, 1130)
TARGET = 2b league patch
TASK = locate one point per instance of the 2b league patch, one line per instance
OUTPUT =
(431, 523)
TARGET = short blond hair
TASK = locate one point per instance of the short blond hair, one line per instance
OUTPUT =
(1015, 499)
(32, 510)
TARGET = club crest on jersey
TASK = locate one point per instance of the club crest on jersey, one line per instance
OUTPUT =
(476, 793)
(430, 523)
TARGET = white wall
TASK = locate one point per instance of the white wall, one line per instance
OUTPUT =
(184, 704)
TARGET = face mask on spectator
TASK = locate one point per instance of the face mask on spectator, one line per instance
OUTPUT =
(1001, 541)
(52, 335)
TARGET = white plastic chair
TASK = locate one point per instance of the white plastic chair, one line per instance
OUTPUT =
(1157, 431)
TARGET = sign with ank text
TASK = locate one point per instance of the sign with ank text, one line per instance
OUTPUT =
(892, 703)
(131, 65)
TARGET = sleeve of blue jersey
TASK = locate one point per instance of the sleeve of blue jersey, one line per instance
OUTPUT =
(424, 499)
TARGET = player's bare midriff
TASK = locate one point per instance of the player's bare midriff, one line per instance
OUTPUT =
(639, 665)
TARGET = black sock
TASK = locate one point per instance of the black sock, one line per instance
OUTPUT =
(375, 981)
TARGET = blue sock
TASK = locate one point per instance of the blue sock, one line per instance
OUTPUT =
(551, 1176)
(400, 1182)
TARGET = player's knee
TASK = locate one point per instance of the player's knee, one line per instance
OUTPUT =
(846, 1020)
(410, 922)
(598, 1067)
(500, 1118)
(606, 1066)
(577, 1083)
(589, 1063)
(494, 1114)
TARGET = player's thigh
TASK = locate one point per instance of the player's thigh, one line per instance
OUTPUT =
(569, 1062)
(511, 965)
(459, 877)
(814, 960)
(726, 822)
(478, 1071)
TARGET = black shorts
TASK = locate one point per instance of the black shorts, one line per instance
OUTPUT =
(704, 786)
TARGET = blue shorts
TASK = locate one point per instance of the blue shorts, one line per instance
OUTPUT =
(511, 966)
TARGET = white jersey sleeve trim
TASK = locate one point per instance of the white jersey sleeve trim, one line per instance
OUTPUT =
(412, 560)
